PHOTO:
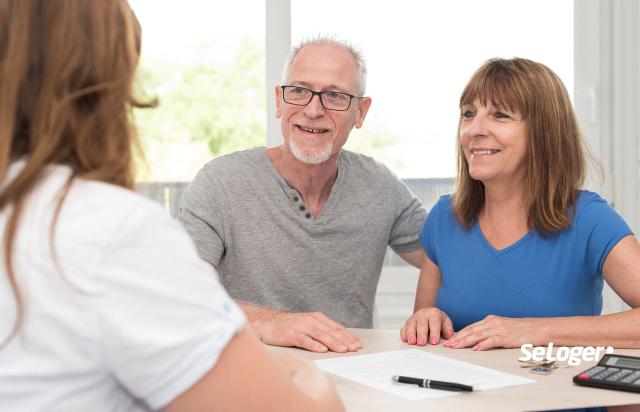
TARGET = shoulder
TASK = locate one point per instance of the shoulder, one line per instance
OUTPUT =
(586, 197)
(444, 204)
(441, 214)
(592, 211)
(359, 161)
(368, 180)
(108, 209)
(227, 172)
(441, 232)
(88, 199)
(93, 217)
(590, 205)
(231, 167)
(443, 208)
(366, 168)
(227, 164)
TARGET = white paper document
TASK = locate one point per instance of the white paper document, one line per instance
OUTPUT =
(376, 370)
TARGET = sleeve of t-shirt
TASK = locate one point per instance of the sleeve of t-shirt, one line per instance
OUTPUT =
(202, 215)
(429, 230)
(601, 227)
(410, 217)
(164, 317)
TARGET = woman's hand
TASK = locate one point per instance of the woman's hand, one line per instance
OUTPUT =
(426, 323)
(497, 332)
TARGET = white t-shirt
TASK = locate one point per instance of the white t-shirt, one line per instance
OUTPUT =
(133, 318)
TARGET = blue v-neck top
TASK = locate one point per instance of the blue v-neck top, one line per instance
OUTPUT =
(557, 275)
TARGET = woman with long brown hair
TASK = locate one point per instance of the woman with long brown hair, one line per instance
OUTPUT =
(519, 253)
(104, 302)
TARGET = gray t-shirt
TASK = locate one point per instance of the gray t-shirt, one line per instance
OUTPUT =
(248, 222)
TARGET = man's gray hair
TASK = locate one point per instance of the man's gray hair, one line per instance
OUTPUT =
(331, 41)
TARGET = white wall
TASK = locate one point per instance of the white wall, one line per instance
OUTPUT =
(607, 98)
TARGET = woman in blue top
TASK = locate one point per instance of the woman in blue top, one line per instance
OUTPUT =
(518, 254)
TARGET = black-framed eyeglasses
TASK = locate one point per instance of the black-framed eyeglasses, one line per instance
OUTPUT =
(330, 100)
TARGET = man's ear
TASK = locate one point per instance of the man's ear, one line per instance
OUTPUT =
(279, 101)
(363, 107)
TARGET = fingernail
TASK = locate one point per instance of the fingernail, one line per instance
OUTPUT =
(434, 341)
(421, 341)
(412, 340)
(477, 347)
(342, 348)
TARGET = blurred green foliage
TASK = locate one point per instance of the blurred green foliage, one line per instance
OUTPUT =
(219, 103)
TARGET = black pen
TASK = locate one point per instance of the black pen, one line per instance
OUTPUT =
(431, 384)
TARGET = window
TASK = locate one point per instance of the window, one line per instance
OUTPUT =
(421, 54)
(205, 64)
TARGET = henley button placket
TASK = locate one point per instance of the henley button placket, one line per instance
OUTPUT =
(302, 208)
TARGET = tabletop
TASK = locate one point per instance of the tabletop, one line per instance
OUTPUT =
(554, 391)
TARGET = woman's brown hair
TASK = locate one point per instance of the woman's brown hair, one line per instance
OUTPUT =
(66, 74)
(556, 152)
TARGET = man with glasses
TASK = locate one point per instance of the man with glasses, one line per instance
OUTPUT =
(299, 232)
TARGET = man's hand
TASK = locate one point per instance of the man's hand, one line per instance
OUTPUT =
(313, 331)
(497, 332)
(426, 325)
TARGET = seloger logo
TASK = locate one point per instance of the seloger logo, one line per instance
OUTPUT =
(573, 355)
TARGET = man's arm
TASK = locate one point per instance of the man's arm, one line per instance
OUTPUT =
(202, 213)
(313, 331)
(413, 258)
(406, 228)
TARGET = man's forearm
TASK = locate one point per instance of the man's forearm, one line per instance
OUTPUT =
(256, 314)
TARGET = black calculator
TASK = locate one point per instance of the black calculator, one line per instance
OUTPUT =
(617, 372)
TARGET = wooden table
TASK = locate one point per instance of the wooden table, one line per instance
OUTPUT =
(554, 391)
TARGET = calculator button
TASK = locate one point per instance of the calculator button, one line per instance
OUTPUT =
(593, 371)
(605, 373)
(619, 375)
(631, 378)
